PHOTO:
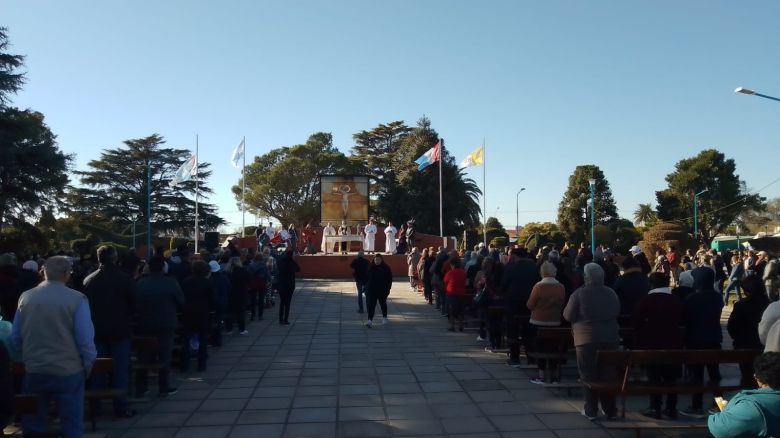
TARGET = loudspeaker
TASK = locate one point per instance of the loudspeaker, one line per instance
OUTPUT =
(211, 239)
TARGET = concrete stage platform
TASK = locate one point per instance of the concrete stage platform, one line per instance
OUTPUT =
(336, 266)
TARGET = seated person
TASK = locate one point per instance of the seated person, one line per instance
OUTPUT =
(753, 412)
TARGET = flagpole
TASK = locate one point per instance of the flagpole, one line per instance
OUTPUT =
(243, 190)
(441, 204)
(196, 193)
(484, 195)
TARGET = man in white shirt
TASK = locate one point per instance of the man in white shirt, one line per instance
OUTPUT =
(344, 230)
(370, 237)
(390, 232)
(328, 231)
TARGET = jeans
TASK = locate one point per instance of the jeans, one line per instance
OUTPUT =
(203, 341)
(285, 300)
(696, 372)
(516, 329)
(361, 289)
(733, 284)
(67, 391)
(119, 351)
(371, 300)
(162, 357)
(586, 363)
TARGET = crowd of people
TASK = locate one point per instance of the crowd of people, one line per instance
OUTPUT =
(671, 302)
(67, 312)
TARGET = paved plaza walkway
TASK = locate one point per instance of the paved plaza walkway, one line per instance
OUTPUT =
(327, 375)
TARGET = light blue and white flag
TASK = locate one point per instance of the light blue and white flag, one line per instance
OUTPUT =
(431, 156)
(186, 171)
(238, 155)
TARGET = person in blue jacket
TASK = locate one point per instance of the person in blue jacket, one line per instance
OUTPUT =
(755, 412)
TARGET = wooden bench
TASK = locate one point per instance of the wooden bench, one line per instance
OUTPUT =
(102, 366)
(627, 385)
(27, 404)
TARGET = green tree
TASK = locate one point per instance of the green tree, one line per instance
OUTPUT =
(415, 193)
(533, 228)
(11, 80)
(32, 167)
(645, 215)
(725, 199)
(114, 189)
(376, 151)
(284, 183)
(574, 209)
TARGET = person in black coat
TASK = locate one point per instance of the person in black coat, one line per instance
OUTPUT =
(520, 276)
(360, 273)
(110, 292)
(198, 304)
(630, 287)
(380, 280)
(701, 318)
(743, 322)
(239, 288)
(288, 267)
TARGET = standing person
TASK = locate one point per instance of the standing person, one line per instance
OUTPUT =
(292, 233)
(771, 277)
(380, 280)
(344, 231)
(592, 311)
(370, 239)
(272, 267)
(701, 318)
(220, 283)
(412, 259)
(656, 321)
(546, 305)
(158, 298)
(239, 287)
(390, 238)
(631, 287)
(455, 287)
(735, 279)
(328, 231)
(110, 293)
(402, 240)
(54, 333)
(489, 278)
(674, 262)
(744, 320)
(641, 259)
(411, 234)
(198, 304)
(518, 281)
(437, 279)
(427, 275)
(288, 267)
(360, 274)
(258, 285)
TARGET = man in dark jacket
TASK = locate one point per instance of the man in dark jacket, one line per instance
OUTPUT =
(288, 267)
(360, 273)
(656, 321)
(221, 285)
(520, 276)
(701, 318)
(630, 287)
(158, 298)
(110, 293)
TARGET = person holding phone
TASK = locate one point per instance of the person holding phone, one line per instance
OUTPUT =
(753, 412)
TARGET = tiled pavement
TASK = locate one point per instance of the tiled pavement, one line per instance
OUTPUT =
(327, 375)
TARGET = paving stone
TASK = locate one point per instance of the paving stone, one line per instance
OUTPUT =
(310, 430)
(162, 420)
(508, 423)
(228, 404)
(213, 418)
(566, 421)
(415, 427)
(315, 401)
(257, 430)
(269, 403)
(467, 425)
(359, 429)
(312, 415)
(263, 416)
(361, 413)
(176, 406)
(360, 400)
(410, 412)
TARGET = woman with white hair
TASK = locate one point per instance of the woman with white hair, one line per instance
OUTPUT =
(593, 310)
(545, 303)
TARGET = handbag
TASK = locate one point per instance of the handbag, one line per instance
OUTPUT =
(480, 296)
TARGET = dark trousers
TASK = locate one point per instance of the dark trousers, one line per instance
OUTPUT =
(285, 299)
(696, 372)
(202, 334)
(495, 319)
(455, 309)
(361, 289)
(119, 351)
(161, 357)
(256, 303)
(371, 300)
(236, 314)
(516, 330)
(586, 363)
(539, 346)
(666, 375)
(428, 291)
(216, 329)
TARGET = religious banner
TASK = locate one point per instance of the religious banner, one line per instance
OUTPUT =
(343, 198)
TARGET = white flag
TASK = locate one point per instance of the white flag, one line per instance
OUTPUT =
(237, 155)
(186, 171)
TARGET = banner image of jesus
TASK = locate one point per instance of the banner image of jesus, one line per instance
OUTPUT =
(344, 199)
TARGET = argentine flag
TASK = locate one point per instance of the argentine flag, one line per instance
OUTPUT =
(186, 171)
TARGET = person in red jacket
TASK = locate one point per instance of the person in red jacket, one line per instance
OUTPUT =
(455, 288)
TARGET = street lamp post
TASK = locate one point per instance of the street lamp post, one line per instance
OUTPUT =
(696, 214)
(592, 185)
(749, 92)
(517, 215)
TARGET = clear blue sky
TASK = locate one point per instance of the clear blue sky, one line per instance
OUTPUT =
(630, 86)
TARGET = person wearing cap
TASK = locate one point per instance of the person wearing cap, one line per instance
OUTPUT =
(640, 257)
(110, 293)
(220, 284)
(53, 332)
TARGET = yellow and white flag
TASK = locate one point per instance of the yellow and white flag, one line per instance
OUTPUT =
(476, 158)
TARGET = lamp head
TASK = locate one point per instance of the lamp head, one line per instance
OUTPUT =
(744, 90)
(592, 181)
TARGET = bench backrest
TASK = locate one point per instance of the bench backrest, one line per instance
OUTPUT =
(671, 357)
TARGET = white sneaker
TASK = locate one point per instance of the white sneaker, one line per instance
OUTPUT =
(369, 323)
(244, 333)
(481, 339)
(383, 321)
